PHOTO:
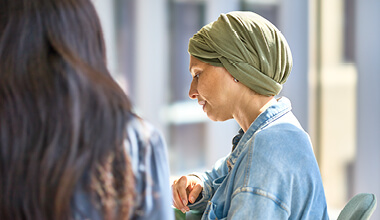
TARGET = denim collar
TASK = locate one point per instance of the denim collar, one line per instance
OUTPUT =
(271, 114)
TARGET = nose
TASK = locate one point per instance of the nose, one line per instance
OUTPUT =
(193, 92)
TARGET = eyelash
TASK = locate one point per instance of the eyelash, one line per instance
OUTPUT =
(196, 76)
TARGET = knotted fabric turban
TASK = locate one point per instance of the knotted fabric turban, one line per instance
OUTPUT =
(251, 48)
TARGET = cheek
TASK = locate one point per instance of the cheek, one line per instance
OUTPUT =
(202, 89)
(212, 86)
(213, 92)
(206, 89)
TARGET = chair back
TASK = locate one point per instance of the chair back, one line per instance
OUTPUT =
(360, 207)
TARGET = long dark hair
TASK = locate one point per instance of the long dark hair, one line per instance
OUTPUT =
(62, 116)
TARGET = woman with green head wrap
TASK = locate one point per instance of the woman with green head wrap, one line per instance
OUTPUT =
(239, 64)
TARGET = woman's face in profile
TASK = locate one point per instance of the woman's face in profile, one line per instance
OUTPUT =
(212, 86)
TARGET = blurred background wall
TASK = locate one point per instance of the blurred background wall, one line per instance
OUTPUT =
(334, 84)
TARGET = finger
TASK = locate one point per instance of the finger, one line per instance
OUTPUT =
(181, 189)
(178, 186)
(180, 206)
(197, 189)
(175, 203)
(175, 197)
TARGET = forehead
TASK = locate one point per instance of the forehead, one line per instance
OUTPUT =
(195, 63)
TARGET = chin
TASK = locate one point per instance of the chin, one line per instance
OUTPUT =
(218, 118)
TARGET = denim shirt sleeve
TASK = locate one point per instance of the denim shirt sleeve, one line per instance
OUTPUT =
(148, 154)
(219, 170)
(151, 168)
(251, 203)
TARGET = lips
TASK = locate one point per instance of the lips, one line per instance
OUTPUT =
(203, 104)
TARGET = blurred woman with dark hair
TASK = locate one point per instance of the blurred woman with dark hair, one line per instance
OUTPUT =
(70, 146)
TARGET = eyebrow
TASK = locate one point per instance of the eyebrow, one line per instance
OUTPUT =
(191, 66)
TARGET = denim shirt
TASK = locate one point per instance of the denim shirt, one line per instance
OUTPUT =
(148, 153)
(271, 174)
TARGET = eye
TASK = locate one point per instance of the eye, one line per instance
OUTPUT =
(196, 76)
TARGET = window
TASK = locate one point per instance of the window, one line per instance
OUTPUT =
(125, 41)
(266, 8)
(187, 17)
(186, 119)
(349, 31)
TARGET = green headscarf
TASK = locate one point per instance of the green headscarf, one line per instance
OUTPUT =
(251, 48)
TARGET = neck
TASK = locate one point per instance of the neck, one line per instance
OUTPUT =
(251, 108)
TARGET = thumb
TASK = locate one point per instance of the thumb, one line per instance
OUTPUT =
(197, 189)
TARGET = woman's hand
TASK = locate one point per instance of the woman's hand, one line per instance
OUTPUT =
(186, 189)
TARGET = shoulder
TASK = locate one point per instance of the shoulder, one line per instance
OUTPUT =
(285, 131)
(145, 145)
(141, 128)
(141, 133)
(280, 134)
(282, 144)
(148, 152)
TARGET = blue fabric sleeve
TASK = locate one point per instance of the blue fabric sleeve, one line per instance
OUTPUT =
(160, 177)
(255, 204)
(153, 199)
(219, 170)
